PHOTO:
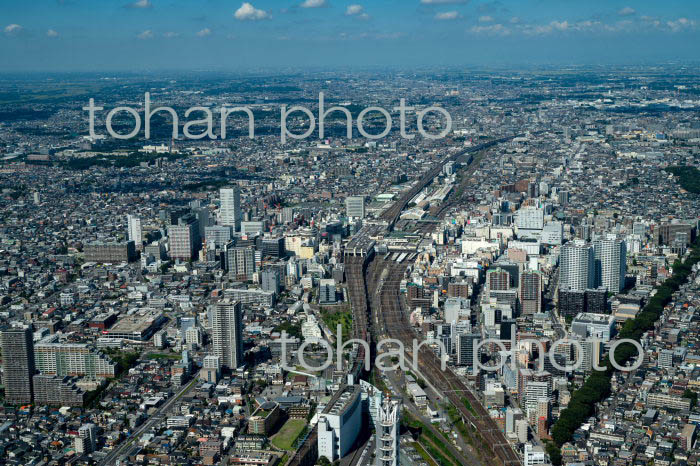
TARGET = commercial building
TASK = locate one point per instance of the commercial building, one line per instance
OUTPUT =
(137, 327)
(240, 262)
(227, 333)
(110, 252)
(465, 348)
(18, 365)
(587, 325)
(184, 239)
(355, 206)
(531, 287)
(251, 297)
(339, 423)
(326, 291)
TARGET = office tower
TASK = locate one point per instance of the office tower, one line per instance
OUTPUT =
(187, 323)
(270, 280)
(240, 262)
(230, 211)
(577, 263)
(203, 219)
(217, 236)
(610, 263)
(531, 292)
(355, 206)
(509, 329)
(339, 423)
(86, 441)
(18, 365)
(563, 198)
(287, 215)
(37, 198)
(134, 231)
(465, 348)
(110, 252)
(273, 247)
(529, 218)
(252, 227)
(456, 309)
(497, 280)
(326, 291)
(184, 238)
(387, 441)
(227, 333)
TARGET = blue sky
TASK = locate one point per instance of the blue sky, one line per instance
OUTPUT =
(135, 35)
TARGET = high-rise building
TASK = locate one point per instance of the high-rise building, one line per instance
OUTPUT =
(355, 206)
(610, 263)
(497, 280)
(577, 264)
(86, 441)
(217, 236)
(184, 239)
(529, 218)
(134, 231)
(465, 348)
(57, 391)
(387, 441)
(18, 365)
(240, 262)
(326, 294)
(531, 292)
(271, 280)
(230, 211)
(72, 359)
(227, 333)
(339, 423)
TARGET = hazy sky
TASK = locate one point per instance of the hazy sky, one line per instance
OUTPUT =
(64, 35)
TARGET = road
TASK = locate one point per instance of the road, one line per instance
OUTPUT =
(156, 417)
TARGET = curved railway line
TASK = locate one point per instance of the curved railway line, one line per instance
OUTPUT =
(363, 273)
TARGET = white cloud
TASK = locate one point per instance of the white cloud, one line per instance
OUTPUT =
(680, 24)
(492, 29)
(140, 4)
(486, 19)
(354, 10)
(248, 12)
(627, 11)
(204, 32)
(447, 15)
(13, 29)
(147, 34)
(170, 34)
(442, 2)
(541, 29)
(51, 33)
(515, 20)
(313, 3)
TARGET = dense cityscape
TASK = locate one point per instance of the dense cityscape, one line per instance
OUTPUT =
(316, 232)
(147, 285)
